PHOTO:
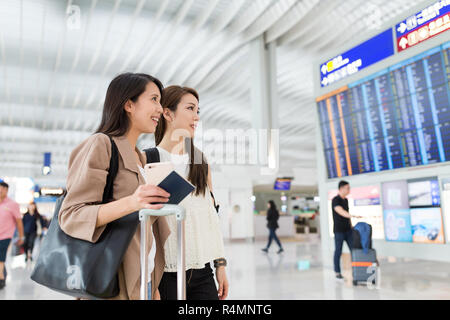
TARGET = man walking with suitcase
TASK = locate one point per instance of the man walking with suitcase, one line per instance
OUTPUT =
(342, 225)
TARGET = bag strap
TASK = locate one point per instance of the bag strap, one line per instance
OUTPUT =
(152, 155)
(108, 191)
(112, 173)
(216, 206)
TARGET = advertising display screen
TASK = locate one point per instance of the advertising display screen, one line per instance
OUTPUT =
(395, 195)
(282, 184)
(402, 211)
(398, 225)
(396, 214)
(412, 211)
(426, 224)
(398, 117)
(424, 193)
(364, 202)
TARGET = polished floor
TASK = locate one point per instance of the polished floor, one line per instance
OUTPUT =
(296, 274)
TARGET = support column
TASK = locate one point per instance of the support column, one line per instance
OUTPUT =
(264, 99)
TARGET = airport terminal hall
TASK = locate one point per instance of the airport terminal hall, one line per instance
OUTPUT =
(228, 150)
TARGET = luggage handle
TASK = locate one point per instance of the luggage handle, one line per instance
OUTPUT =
(180, 214)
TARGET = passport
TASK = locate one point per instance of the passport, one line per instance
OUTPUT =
(177, 186)
(163, 175)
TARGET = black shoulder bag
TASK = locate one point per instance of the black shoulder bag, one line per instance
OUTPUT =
(153, 156)
(80, 268)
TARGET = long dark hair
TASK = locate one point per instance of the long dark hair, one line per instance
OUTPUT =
(37, 215)
(273, 206)
(198, 172)
(124, 87)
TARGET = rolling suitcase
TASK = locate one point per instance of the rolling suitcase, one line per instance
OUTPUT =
(364, 265)
(167, 210)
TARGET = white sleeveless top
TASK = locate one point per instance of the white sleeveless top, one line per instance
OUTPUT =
(152, 254)
(203, 237)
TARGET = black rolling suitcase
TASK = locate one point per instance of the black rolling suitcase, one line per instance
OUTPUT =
(364, 265)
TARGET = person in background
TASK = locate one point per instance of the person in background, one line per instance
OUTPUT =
(44, 229)
(57, 205)
(10, 217)
(30, 221)
(272, 223)
(342, 224)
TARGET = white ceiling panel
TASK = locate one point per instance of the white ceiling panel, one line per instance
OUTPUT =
(54, 72)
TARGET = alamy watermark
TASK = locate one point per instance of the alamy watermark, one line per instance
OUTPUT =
(374, 280)
(255, 147)
(74, 280)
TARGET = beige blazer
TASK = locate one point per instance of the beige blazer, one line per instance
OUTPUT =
(86, 180)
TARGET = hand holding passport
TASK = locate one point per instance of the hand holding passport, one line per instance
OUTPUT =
(163, 175)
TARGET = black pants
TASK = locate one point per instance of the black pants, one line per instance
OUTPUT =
(339, 238)
(29, 242)
(273, 236)
(200, 285)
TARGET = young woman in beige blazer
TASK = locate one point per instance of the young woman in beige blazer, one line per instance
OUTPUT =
(132, 107)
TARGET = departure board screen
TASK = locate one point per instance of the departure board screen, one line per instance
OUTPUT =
(398, 117)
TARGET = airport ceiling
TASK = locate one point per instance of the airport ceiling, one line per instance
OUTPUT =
(54, 72)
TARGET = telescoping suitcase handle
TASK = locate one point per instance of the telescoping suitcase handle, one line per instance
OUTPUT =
(166, 210)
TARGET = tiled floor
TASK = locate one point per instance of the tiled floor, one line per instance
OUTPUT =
(297, 273)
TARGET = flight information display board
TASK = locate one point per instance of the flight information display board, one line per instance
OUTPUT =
(398, 117)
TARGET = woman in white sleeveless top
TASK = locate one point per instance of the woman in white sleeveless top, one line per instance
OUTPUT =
(204, 241)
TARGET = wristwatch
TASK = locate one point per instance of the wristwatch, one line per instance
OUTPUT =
(221, 262)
